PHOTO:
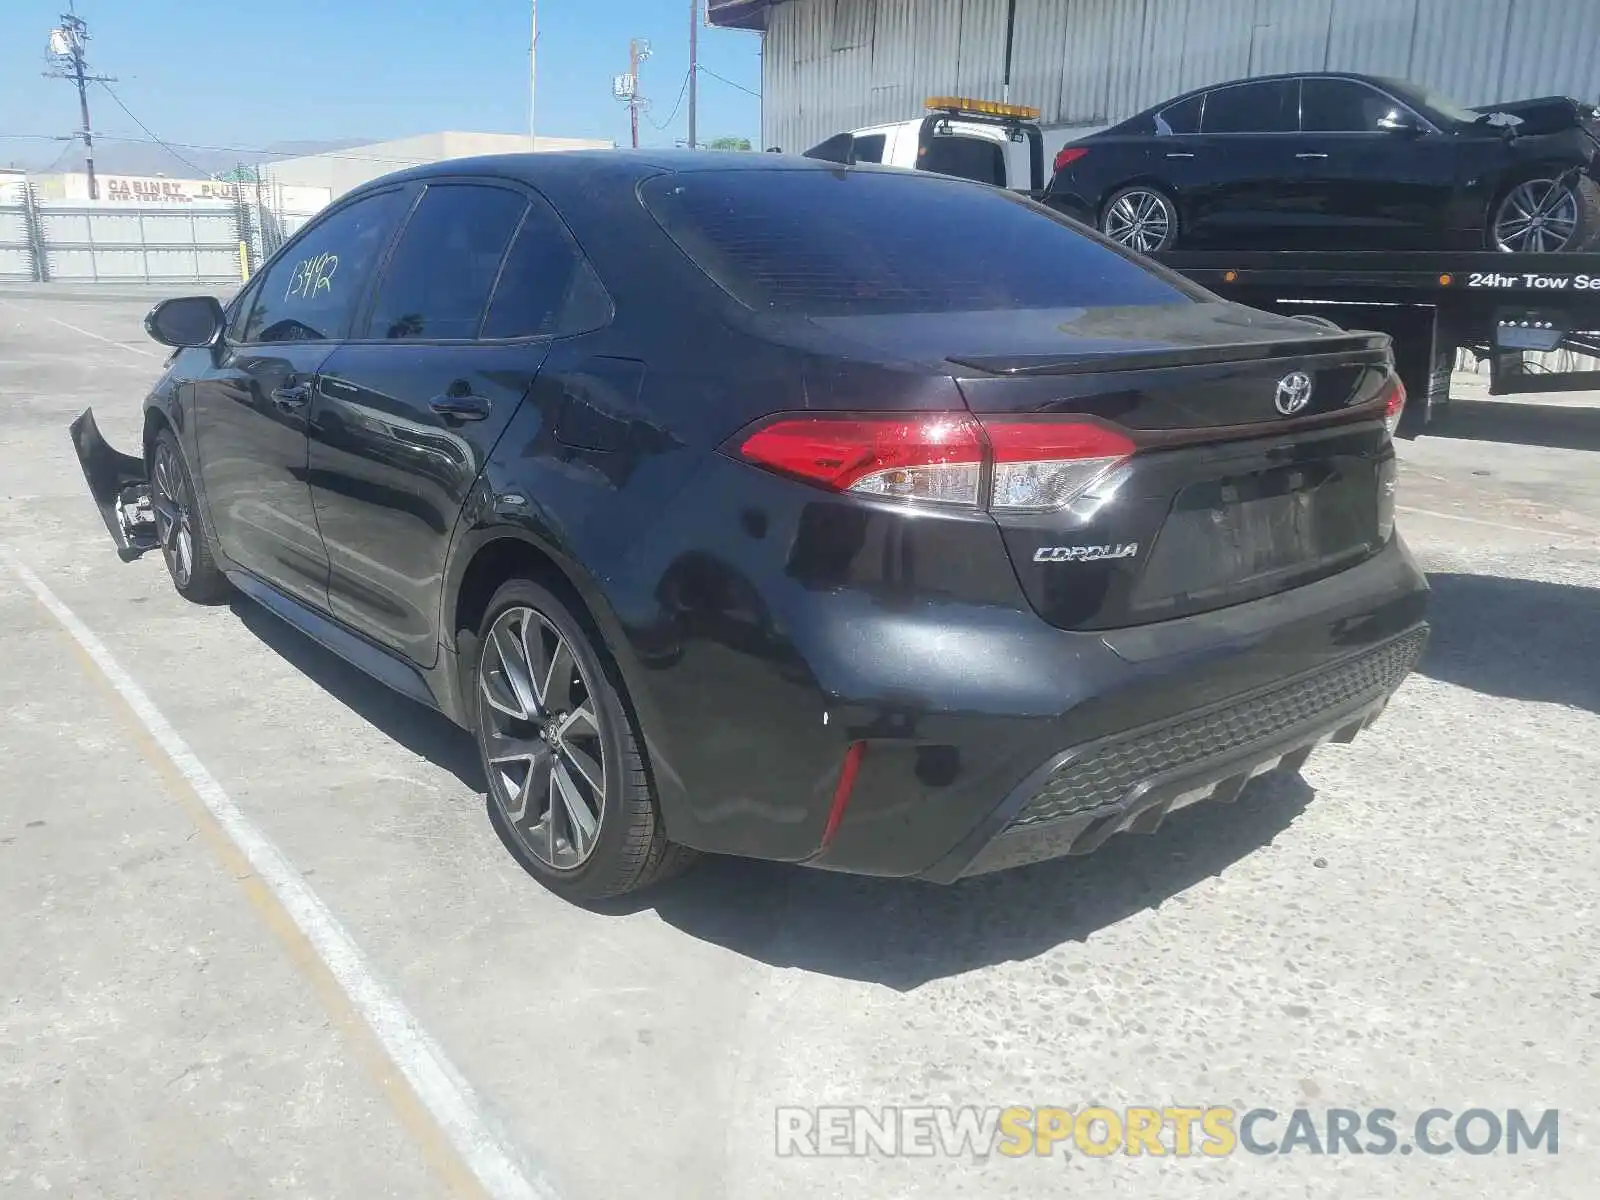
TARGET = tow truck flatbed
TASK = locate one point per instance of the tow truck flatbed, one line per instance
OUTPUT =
(1431, 273)
(1501, 307)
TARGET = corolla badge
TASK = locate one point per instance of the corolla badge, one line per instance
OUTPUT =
(1085, 553)
(1294, 393)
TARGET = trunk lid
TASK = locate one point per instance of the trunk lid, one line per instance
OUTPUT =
(1228, 497)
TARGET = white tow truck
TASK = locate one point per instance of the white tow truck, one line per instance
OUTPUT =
(981, 140)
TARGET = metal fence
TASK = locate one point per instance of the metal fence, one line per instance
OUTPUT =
(82, 241)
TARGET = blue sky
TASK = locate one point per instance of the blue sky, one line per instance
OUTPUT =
(250, 75)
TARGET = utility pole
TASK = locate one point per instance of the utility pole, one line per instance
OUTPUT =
(533, 75)
(633, 100)
(66, 51)
(694, 64)
(626, 87)
(1011, 29)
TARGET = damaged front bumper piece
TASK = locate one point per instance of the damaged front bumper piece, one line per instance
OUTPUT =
(120, 485)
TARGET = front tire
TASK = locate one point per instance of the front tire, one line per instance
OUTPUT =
(569, 791)
(1547, 216)
(184, 544)
(1142, 217)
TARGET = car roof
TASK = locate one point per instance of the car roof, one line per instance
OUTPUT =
(1372, 80)
(578, 168)
(594, 192)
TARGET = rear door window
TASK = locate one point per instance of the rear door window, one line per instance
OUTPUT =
(1267, 106)
(547, 287)
(831, 243)
(438, 280)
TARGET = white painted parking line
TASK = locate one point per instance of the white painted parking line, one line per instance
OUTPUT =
(139, 350)
(1487, 524)
(497, 1168)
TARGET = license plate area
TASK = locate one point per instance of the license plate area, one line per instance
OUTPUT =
(1247, 534)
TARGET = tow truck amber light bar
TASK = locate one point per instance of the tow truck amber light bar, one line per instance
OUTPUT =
(986, 108)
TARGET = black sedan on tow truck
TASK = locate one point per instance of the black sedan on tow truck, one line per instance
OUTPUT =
(1338, 162)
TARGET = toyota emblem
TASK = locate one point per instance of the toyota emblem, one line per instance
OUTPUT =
(1294, 393)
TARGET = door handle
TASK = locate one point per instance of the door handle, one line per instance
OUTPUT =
(460, 407)
(291, 396)
(1180, 154)
(1311, 156)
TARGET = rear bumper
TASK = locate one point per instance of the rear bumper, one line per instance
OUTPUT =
(1144, 720)
(1130, 782)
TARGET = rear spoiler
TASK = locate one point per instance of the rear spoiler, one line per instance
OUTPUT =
(1022, 365)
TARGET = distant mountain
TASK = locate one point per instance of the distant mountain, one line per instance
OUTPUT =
(139, 158)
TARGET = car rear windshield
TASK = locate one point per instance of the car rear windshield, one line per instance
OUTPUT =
(831, 243)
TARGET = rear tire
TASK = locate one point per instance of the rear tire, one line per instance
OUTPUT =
(569, 791)
(185, 545)
(1569, 221)
(1142, 218)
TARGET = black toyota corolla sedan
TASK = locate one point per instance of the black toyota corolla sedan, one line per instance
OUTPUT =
(849, 517)
(1330, 161)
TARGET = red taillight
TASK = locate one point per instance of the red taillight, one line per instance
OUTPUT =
(1068, 155)
(1394, 403)
(1035, 463)
(936, 457)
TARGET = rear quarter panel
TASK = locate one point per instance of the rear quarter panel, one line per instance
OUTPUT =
(1111, 162)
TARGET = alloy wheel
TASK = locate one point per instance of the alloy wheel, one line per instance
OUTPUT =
(1539, 216)
(541, 728)
(1140, 220)
(174, 525)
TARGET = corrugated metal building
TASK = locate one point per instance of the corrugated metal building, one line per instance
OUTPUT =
(830, 65)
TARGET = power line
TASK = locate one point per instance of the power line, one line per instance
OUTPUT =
(682, 90)
(65, 150)
(724, 79)
(150, 131)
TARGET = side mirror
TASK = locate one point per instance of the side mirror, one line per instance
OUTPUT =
(186, 321)
(1399, 124)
